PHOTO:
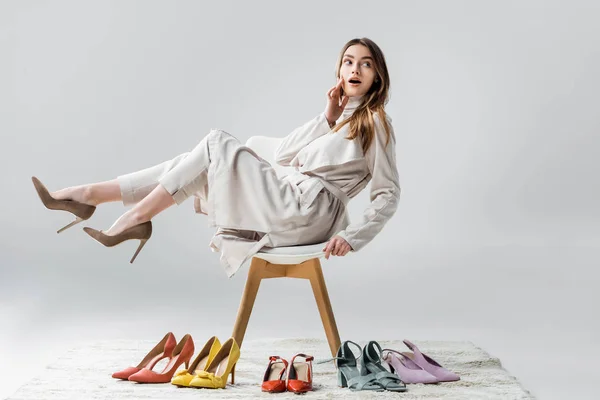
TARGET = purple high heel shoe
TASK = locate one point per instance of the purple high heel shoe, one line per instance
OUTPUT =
(429, 364)
(405, 368)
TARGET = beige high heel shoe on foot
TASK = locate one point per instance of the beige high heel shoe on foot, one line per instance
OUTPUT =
(141, 231)
(81, 211)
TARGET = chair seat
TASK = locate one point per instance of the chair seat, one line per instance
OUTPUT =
(291, 254)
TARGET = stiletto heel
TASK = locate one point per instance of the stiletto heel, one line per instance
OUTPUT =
(233, 374)
(142, 243)
(81, 211)
(77, 220)
(141, 231)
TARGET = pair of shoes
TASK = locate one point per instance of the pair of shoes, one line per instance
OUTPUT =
(83, 211)
(371, 376)
(177, 353)
(416, 367)
(297, 379)
(211, 367)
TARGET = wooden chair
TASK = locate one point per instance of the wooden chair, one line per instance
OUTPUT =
(285, 262)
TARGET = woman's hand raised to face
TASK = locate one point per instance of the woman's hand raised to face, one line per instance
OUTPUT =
(335, 102)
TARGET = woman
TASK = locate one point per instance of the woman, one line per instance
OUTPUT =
(335, 155)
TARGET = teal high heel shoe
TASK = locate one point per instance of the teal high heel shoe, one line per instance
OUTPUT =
(371, 363)
(348, 373)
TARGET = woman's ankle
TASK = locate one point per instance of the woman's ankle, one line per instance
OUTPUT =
(87, 194)
(101, 192)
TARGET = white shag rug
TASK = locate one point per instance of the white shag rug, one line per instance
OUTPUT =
(84, 373)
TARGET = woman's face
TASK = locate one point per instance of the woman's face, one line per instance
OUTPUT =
(357, 64)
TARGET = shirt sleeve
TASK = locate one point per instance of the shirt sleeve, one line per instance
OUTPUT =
(300, 137)
(384, 192)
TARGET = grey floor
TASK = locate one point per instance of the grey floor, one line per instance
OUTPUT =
(534, 308)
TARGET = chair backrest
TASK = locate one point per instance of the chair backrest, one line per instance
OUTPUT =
(265, 147)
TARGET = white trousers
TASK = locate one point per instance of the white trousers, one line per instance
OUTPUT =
(183, 176)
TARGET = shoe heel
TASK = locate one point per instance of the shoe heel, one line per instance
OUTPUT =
(77, 220)
(342, 382)
(392, 370)
(233, 373)
(185, 362)
(142, 243)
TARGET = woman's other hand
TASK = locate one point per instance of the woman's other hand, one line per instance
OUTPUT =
(335, 102)
(337, 246)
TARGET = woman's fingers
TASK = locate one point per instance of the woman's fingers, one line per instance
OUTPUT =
(330, 91)
(342, 249)
(337, 247)
(330, 248)
(336, 88)
(327, 249)
(345, 101)
(346, 250)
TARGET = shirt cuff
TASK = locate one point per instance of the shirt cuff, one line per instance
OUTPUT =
(327, 121)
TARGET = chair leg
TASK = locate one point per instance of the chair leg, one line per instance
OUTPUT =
(317, 281)
(247, 302)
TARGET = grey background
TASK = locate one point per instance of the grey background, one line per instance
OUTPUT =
(495, 107)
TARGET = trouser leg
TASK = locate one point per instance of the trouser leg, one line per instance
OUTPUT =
(181, 176)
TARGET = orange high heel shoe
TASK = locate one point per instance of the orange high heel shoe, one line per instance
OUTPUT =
(164, 349)
(274, 380)
(181, 354)
(299, 378)
(81, 211)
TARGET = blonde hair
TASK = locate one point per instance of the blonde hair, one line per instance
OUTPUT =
(361, 122)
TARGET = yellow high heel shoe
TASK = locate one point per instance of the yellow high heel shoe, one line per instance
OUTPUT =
(215, 375)
(207, 354)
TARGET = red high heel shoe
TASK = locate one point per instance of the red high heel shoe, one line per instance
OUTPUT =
(299, 378)
(164, 349)
(274, 381)
(182, 353)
